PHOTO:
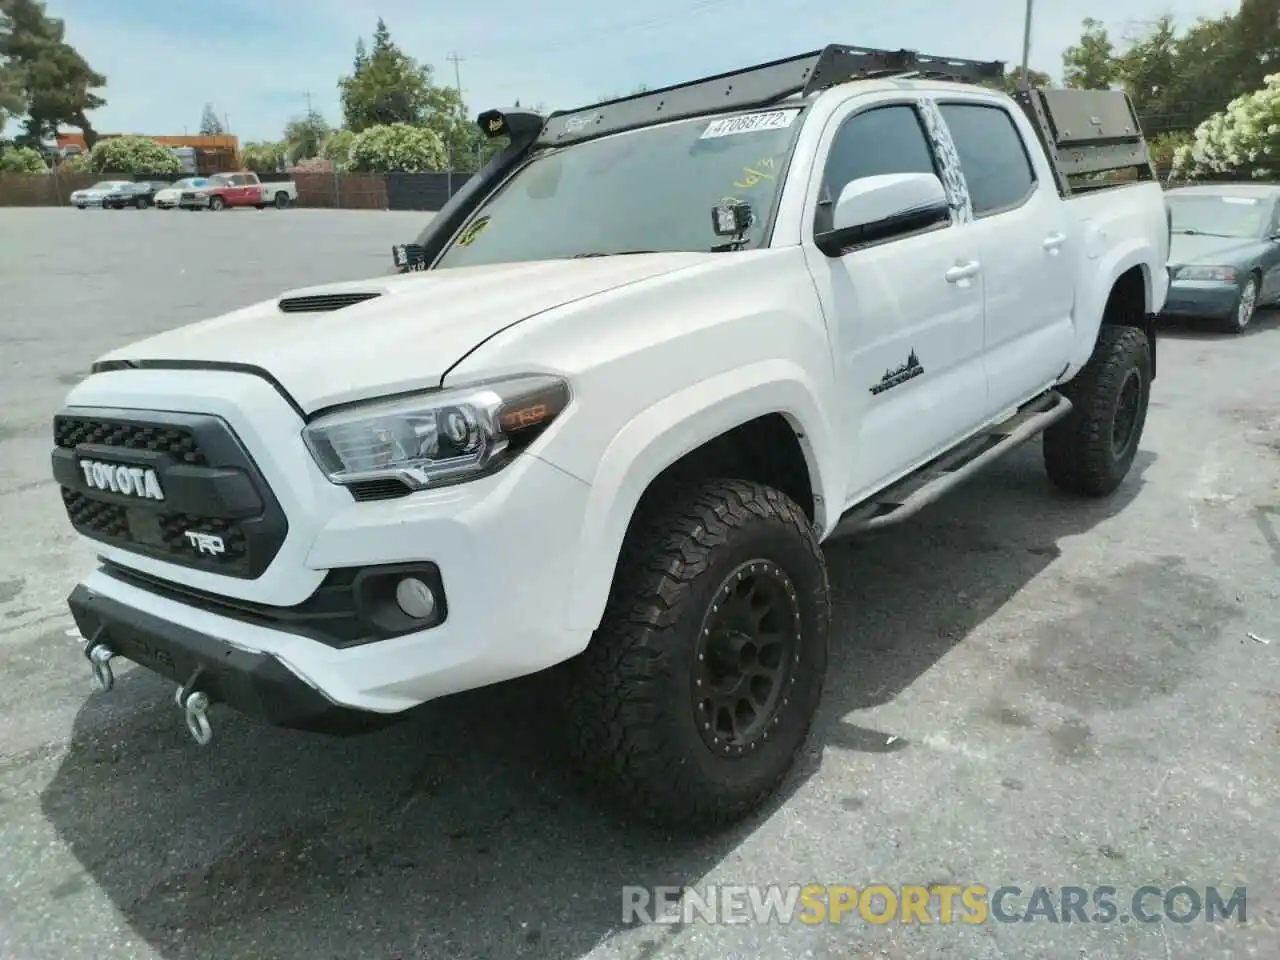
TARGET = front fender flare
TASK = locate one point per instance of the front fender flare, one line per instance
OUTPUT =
(666, 431)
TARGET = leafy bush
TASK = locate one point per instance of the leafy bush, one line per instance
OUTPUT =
(1164, 148)
(132, 154)
(337, 149)
(264, 157)
(397, 147)
(22, 160)
(1242, 140)
(79, 163)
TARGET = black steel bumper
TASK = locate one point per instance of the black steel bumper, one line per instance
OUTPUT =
(254, 684)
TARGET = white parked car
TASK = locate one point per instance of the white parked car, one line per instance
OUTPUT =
(793, 304)
(92, 196)
(167, 199)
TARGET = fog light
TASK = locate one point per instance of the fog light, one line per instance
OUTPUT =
(415, 598)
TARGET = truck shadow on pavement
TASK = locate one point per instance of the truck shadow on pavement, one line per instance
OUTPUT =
(460, 833)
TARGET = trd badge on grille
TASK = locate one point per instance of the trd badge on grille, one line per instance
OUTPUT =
(140, 482)
(209, 543)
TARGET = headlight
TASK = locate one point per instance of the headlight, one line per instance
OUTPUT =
(434, 439)
(1220, 274)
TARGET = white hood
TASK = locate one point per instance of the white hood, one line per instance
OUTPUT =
(405, 339)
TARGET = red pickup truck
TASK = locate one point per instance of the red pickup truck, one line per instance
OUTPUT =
(242, 189)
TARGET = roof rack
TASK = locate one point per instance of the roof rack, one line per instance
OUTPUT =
(759, 86)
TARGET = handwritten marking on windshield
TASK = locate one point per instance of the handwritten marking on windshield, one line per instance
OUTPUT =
(754, 176)
(469, 235)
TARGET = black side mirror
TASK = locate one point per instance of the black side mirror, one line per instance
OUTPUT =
(837, 242)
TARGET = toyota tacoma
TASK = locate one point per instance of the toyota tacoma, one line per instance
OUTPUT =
(618, 394)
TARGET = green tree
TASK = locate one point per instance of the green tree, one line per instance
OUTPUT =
(381, 38)
(58, 84)
(1091, 63)
(337, 149)
(1258, 30)
(361, 58)
(1148, 70)
(305, 136)
(22, 160)
(397, 147)
(132, 154)
(1036, 78)
(210, 125)
(13, 99)
(391, 87)
(264, 157)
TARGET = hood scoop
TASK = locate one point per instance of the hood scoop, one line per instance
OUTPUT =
(323, 302)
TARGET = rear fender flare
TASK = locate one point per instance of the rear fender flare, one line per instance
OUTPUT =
(1118, 261)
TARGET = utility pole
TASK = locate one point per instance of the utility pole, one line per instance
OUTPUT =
(457, 79)
(457, 73)
(1026, 45)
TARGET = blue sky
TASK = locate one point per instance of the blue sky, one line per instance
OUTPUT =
(256, 61)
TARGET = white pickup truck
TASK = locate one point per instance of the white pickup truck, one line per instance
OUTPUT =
(625, 385)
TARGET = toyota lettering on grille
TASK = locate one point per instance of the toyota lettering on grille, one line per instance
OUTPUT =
(140, 482)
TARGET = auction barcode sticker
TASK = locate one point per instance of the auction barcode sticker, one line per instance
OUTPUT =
(750, 123)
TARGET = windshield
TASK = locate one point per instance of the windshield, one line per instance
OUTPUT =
(106, 185)
(190, 182)
(1219, 216)
(219, 179)
(646, 190)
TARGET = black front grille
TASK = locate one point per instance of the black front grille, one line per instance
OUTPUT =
(188, 196)
(71, 432)
(324, 302)
(217, 512)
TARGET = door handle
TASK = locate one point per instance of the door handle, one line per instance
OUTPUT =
(962, 271)
(1054, 240)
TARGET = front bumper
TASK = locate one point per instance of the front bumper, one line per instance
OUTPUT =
(1200, 298)
(194, 204)
(506, 547)
(257, 685)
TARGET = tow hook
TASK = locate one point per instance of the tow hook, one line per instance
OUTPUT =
(99, 656)
(195, 707)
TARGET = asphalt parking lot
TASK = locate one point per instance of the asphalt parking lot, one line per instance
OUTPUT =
(1025, 690)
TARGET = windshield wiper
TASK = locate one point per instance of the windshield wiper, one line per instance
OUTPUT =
(610, 253)
(1203, 233)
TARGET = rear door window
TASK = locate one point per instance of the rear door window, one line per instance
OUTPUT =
(993, 157)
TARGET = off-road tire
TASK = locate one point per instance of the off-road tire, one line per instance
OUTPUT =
(281, 200)
(633, 728)
(216, 204)
(1079, 453)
